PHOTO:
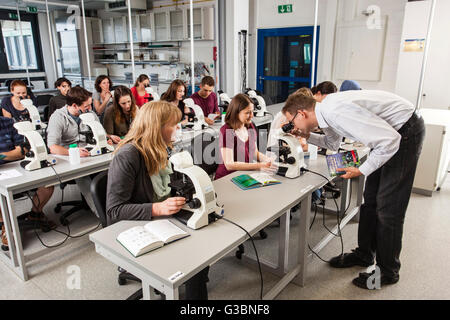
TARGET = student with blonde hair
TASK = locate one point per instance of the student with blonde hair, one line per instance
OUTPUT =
(139, 176)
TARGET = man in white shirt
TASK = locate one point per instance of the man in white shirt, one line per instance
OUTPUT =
(388, 125)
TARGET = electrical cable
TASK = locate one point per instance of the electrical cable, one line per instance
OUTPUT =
(68, 235)
(337, 215)
(254, 247)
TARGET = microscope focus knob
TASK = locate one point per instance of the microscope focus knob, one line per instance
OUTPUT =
(29, 154)
(290, 160)
(194, 203)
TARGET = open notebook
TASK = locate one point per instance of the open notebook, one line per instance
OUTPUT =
(254, 180)
(155, 234)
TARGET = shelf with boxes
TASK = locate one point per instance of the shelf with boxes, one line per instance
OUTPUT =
(144, 53)
(157, 25)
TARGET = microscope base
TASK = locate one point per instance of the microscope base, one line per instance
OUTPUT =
(283, 171)
(184, 215)
(43, 164)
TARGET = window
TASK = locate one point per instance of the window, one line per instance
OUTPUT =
(19, 46)
(20, 50)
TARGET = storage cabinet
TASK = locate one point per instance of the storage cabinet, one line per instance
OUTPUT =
(435, 157)
(145, 25)
(161, 26)
(120, 29)
(108, 30)
(176, 25)
(197, 23)
(97, 34)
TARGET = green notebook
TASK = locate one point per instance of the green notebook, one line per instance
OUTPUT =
(254, 180)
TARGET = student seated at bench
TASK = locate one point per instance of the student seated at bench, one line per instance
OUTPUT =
(64, 129)
(118, 119)
(12, 149)
(57, 102)
(238, 138)
(207, 99)
(12, 107)
(139, 176)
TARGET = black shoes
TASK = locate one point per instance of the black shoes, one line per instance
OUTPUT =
(369, 281)
(348, 260)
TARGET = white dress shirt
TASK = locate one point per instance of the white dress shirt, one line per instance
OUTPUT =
(369, 116)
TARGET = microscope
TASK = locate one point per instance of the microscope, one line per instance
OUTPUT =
(154, 95)
(36, 157)
(289, 152)
(96, 136)
(225, 100)
(35, 117)
(258, 102)
(199, 119)
(197, 188)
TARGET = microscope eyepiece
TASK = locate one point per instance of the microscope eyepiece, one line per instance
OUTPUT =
(288, 127)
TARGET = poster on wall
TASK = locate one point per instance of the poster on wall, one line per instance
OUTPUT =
(414, 45)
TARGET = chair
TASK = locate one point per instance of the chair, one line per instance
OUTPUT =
(42, 105)
(197, 154)
(98, 189)
(77, 205)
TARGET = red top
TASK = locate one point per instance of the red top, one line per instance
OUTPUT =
(243, 151)
(208, 105)
(140, 100)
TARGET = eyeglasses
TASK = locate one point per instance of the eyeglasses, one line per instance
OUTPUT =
(290, 125)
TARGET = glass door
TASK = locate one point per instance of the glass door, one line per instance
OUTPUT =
(284, 61)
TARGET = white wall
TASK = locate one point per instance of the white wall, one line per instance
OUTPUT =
(237, 19)
(394, 10)
(265, 15)
(436, 83)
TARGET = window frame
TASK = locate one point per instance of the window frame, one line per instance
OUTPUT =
(25, 17)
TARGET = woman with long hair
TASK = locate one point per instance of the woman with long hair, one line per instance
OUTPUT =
(102, 97)
(118, 119)
(175, 95)
(238, 137)
(141, 96)
(139, 176)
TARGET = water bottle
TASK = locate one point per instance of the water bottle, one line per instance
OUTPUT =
(74, 154)
(223, 117)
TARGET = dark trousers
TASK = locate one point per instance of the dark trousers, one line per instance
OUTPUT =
(196, 286)
(386, 198)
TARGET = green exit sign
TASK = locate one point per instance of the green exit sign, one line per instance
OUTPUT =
(32, 9)
(285, 8)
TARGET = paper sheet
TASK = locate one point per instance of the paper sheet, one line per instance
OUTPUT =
(9, 174)
(213, 116)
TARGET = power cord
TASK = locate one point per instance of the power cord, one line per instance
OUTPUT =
(68, 235)
(337, 217)
(254, 247)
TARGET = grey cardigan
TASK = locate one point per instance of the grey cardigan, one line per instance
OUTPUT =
(130, 190)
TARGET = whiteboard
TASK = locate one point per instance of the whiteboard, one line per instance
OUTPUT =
(359, 51)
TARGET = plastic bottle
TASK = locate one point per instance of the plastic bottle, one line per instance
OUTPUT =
(223, 117)
(74, 154)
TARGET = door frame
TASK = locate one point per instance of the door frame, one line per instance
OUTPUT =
(291, 31)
